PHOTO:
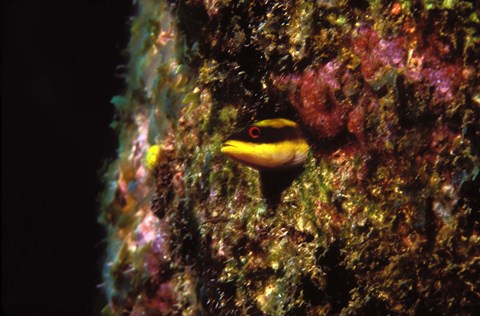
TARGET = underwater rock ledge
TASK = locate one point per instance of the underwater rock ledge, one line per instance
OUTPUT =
(384, 217)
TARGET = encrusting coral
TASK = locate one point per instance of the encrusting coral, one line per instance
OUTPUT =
(384, 217)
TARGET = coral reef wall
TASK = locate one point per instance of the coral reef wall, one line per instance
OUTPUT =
(385, 216)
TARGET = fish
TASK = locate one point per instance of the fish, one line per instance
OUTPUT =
(271, 144)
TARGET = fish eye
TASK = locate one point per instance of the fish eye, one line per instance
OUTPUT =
(254, 132)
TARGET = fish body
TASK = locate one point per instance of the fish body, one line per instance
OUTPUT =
(268, 145)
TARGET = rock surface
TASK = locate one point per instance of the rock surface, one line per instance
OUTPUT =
(384, 218)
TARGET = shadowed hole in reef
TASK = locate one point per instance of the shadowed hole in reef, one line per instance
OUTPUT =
(360, 4)
(339, 280)
(217, 297)
(470, 196)
(186, 235)
(300, 310)
(275, 182)
(375, 306)
(312, 293)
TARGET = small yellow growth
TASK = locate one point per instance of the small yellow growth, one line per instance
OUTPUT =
(151, 158)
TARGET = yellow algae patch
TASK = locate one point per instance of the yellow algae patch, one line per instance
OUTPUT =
(151, 158)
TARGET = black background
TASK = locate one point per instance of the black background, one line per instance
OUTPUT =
(59, 61)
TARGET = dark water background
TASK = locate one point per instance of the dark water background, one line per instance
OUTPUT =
(59, 62)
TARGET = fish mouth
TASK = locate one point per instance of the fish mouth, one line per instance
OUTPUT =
(234, 149)
(226, 147)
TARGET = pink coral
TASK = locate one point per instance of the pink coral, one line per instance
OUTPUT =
(323, 98)
(321, 94)
(315, 98)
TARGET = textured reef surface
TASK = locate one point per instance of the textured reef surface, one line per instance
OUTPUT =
(383, 219)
